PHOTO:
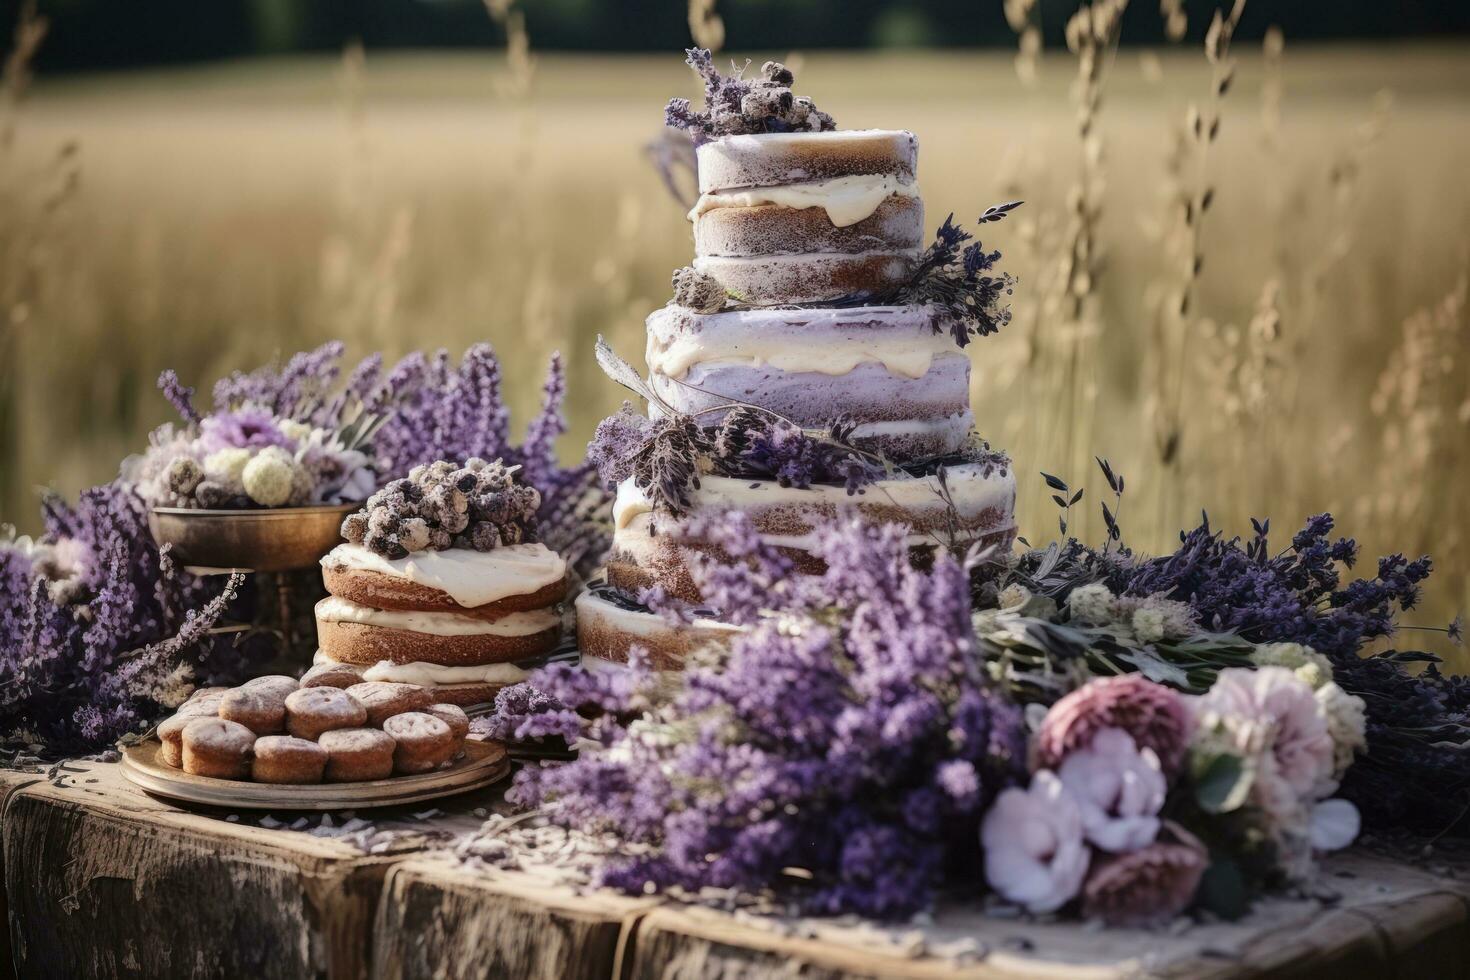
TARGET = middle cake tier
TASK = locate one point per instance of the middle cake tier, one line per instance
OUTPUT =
(904, 384)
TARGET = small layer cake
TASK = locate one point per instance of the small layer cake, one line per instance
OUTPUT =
(975, 504)
(441, 585)
(610, 624)
(791, 218)
(905, 384)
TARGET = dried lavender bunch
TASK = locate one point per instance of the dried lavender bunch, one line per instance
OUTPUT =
(960, 281)
(751, 443)
(868, 774)
(665, 457)
(734, 105)
(99, 632)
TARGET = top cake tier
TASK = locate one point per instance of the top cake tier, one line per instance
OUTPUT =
(788, 218)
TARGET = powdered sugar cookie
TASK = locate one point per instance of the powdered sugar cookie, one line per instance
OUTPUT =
(424, 741)
(314, 710)
(287, 759)
(217, 747)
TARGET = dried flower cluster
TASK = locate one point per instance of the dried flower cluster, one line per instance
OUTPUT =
(960, 281)
(665, 456)
(734, 105)
(698, 292)
(479, 506)
(859, 789)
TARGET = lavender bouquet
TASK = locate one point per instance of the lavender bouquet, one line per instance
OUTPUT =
(838, 760)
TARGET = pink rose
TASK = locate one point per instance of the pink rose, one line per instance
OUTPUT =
(1271, 710)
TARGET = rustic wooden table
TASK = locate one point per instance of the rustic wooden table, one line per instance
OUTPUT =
(103, 880)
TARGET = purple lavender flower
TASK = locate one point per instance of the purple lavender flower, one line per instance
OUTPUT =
(850, 734)
(179, 396)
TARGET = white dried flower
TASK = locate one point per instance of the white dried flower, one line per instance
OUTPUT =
(1306, 663)
(1347, 723)
(1093, 603)
(1013, 595)
(269, 476)
(1148, 624)
(226, 466)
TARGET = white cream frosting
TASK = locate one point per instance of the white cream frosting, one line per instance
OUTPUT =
(334, 609)
(847, 200)
(431, 675)
(906, 354)
(471, 578)
(642, 623)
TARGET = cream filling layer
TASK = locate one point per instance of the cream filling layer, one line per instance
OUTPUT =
(902, 353)
(334, 609)
(847, 200)
(470, 578)
(430, 675)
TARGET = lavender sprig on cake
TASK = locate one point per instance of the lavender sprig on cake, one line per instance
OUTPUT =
(479, 506)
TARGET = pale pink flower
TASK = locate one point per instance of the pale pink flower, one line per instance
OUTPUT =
(1276, 712)
(1155, 716)
(1119, 789)
(1035, 854)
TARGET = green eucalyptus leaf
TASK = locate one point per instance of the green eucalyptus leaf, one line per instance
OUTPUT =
(1223, 784)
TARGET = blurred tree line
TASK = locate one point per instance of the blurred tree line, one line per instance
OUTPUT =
(89, 34)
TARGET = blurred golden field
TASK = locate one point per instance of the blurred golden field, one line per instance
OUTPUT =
(224, 215)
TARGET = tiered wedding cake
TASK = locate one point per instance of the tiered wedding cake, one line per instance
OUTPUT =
(795, 233)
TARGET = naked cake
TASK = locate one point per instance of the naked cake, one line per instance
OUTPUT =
(441, 585)
(812, 363)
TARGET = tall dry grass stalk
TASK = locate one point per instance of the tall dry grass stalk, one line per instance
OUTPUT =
(1177, 331)
(31, 206)
(705, 25)
(363, 256)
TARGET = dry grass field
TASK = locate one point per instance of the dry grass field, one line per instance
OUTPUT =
(211, 218)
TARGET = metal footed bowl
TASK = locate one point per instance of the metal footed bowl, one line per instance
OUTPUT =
(274, 540)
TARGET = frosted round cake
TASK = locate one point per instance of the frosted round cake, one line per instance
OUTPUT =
(975, 505)
(887, 369)
(786, 218)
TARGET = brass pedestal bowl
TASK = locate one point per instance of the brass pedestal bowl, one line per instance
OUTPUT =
(277, 539)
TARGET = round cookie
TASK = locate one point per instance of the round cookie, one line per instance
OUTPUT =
(261, 709)
(171, 738)
(357, 754)
(218, 748)
(384, 699)
(278, 683)
(424, 741)
(453, 716)
(203, 705)
(331, 675)
(287, 759)
(314, 710)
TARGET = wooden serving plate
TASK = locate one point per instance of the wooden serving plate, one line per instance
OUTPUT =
(481, 764)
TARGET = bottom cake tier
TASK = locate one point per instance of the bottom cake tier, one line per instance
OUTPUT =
(610, 624)
(962, 506)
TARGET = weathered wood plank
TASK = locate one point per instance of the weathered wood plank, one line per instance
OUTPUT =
(10, 781)
(108, 882)
(439, 919)
(1390, 921)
